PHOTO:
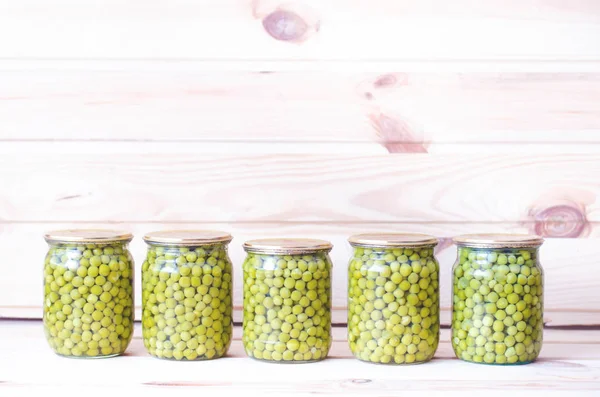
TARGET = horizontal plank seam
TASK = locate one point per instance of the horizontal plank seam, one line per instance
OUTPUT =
(549, 342)
(286, 222)
(507, 59)
(525, 385)
(293, 66)
(590, 328)
(307, 142)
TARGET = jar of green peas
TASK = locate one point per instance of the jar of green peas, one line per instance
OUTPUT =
(88, 293)
(393, 298)
(187, 298)
(287, 300)
(497, 307)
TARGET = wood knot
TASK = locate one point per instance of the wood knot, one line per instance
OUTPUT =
(563, 220)
(390, 80)
(396, 135)
(387, 80)
(285, 25)
(561, 213)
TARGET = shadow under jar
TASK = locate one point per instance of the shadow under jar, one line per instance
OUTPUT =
(187, 298)
(287, 300)
(497, 306)
(88, 293)
(393, 298)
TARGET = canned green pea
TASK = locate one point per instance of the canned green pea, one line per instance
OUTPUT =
(497, 307)
(287, 300)
(393, 298)
(187, 298)
(88, 293)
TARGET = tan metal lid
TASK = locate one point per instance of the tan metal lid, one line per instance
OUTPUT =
(187, 237)
(498, 240)
(392, 240)
(286, 245)
(87, 236)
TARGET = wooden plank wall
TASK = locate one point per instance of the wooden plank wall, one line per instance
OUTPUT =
(303, 119)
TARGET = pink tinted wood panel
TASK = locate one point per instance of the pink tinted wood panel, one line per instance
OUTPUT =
(556, 194)
(569, 264)
(301, 30)
(395, 111)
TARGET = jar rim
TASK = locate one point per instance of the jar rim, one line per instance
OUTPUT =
(498, 240)
(187, 237)
(91, 236)
(392, 240)
(287, 245)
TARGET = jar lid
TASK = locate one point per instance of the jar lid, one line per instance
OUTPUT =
(286, 245)
(87, 236)
(187, 237)
(498, 240)
(392, 240)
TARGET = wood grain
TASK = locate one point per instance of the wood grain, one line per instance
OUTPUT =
(270, 118)
(570, 264)
(569, 365)
(375, 112)
(60, 185)
(266, 66)
(301, 30)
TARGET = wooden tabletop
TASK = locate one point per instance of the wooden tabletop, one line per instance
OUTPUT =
(569, 365)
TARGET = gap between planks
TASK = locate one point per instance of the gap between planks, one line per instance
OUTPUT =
(273, 147)
(267, 64)
(297, 65)
(554, 348)
(559, 319)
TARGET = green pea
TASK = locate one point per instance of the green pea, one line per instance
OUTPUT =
(81, 319)
(406, 329)
(195, 321)
(294, 293)
(500, 317)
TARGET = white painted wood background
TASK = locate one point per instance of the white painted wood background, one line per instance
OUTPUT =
(425, 116)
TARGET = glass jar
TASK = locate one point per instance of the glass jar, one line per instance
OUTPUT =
(88, 293)
(393, 298)
(287, 300)
(187, 298)
(497, 306)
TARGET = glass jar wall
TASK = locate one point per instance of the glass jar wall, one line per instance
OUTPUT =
(393, 298)
(287, 300)
(88, 293)
(187, 298)
(497, 308)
